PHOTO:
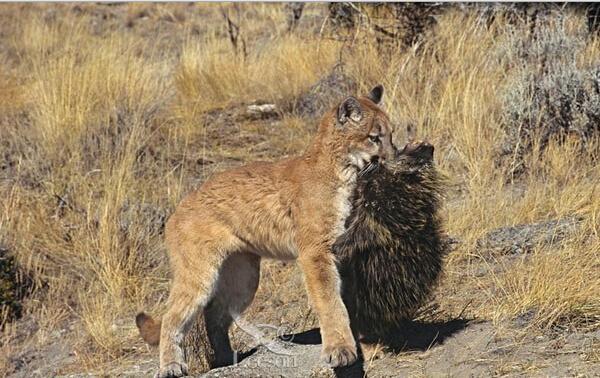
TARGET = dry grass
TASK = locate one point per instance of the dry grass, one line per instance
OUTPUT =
(211, 75)
(103, 128)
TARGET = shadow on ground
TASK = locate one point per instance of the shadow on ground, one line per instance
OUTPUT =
(412, 336)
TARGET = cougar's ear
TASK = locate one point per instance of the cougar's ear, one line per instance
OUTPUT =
(376, 94)
(349, 109)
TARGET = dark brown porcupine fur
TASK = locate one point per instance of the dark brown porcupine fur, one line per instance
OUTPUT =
(391, 255)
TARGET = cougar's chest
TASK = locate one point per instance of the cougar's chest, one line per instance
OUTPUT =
(343, 202)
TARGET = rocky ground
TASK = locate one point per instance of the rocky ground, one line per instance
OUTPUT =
(456, 348)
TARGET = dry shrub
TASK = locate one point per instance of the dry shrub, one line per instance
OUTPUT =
(396, 25)
(548, 92)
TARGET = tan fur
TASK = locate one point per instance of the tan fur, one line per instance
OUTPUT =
(149, 328)
(291, 209)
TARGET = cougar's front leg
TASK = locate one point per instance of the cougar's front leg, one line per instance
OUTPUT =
(324, 291)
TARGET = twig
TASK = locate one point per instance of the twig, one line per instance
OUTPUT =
(233, 30)
(464, 308)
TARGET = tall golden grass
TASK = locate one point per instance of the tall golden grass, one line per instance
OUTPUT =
(104, 131)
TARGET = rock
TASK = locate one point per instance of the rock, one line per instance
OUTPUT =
(525, 318)
(523, 238)
(325, 93)
(262, 111)
(295, 360)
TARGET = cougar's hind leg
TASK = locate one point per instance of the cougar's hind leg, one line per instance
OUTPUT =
(196, 264)
(237, 284)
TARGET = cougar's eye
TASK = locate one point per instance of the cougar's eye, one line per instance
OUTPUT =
(374, 138)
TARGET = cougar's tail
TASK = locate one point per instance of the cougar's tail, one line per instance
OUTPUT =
(149, 328)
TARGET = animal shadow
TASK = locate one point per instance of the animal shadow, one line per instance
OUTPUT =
(411, 336)
(421, 336)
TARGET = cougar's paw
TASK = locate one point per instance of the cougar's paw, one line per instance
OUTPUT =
(172, 370)
(339, 354)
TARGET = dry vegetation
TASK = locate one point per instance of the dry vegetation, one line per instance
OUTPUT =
(110, 114)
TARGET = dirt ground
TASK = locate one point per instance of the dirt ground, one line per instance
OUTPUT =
(456, 348)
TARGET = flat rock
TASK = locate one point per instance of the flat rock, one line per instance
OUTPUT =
(523, 238)
(294, 360)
